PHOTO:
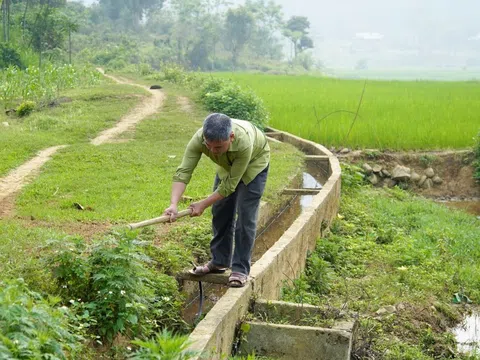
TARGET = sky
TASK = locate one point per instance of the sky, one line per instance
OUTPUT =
(391, 33)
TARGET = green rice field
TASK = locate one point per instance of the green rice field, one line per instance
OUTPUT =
(393, 114)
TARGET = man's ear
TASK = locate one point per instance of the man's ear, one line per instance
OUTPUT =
(232, 136)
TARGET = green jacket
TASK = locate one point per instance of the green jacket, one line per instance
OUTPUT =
(246, 157)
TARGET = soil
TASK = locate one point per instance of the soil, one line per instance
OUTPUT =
(455, 168)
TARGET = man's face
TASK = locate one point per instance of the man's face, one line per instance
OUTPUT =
(219, 147)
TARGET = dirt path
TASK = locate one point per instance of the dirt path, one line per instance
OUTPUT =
(147, 108)
(17, 178)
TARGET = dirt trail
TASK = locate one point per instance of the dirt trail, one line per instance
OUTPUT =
(20, 176)
(148, 107)
(17, 178)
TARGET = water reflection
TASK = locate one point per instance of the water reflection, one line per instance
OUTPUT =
(468, 335)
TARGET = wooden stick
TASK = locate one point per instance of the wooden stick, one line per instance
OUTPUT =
(158, 220)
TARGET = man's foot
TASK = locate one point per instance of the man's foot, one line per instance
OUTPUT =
(237, 280)
(208, 268)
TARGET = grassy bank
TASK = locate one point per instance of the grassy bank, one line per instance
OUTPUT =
(390, 248)
(393, 114)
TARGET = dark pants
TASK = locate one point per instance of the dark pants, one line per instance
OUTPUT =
(245, 203)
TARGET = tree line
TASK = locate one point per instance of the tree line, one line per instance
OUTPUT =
(199, 34)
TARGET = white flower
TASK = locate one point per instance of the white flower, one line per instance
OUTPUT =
(110, 292)
(72, 301)
(165, 298)
(79, 300)
(64, 286)
(122, 292)
(129, 348)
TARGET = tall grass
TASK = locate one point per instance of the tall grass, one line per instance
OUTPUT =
(44, 84)
(393, 114)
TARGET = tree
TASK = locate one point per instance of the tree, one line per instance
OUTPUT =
(135, 9)
(296, 30)
(239, 26)
(6, 20)
(268, 22)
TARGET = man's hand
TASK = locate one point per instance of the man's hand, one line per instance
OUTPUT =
(198, 208)
(171, 211)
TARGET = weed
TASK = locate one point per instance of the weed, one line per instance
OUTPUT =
(25, 108)
(164, 346)
(427, 160)
(32, 327)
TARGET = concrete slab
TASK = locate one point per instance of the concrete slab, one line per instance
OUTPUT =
(289, 342)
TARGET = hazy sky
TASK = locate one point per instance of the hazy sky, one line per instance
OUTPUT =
(391, 32)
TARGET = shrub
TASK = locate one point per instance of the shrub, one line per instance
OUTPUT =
(31, 328)
(25, 108)
(165, 346)
(237, 103)
(117, 286)
(9, 57)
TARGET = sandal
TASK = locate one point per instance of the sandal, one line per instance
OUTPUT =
(237, 280)
(208, 268)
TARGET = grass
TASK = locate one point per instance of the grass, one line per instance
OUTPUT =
(131, 181)
(389, 247)
(90, 111)
(393, 114)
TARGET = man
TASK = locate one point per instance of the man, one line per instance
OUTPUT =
(242, 154)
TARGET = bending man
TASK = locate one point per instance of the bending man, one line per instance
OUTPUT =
(242, 154)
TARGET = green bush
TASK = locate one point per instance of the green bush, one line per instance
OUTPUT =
(31, 327)
(9, 57)
(25, 108)
(114, 282)
(164, 346)
(237, 103)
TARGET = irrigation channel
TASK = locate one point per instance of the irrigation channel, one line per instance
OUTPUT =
(200, 302)
(286, 233)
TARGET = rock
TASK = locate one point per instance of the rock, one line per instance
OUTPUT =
(367, 168)
(373, 179)
(401, 173)
(345, 151)
(389, 309)
(390, 183)
(422, 180)
(386, 173)
(155, 87)
(437, 180)
(428, 184)
(415, 177)
(377, 168)
(6, 124)
(430, 173)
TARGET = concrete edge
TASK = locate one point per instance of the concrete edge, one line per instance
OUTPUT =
(284, 261)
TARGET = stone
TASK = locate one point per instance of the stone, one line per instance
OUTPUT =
(377, 168)
(437, 180)
(6, 124)
(428, 184)
(422, 180)
(390, 183)
(386, 173)
(367, 168)
(430, 173)
(401, 173)
(345, 151)
(414, 176)
(373, 179)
